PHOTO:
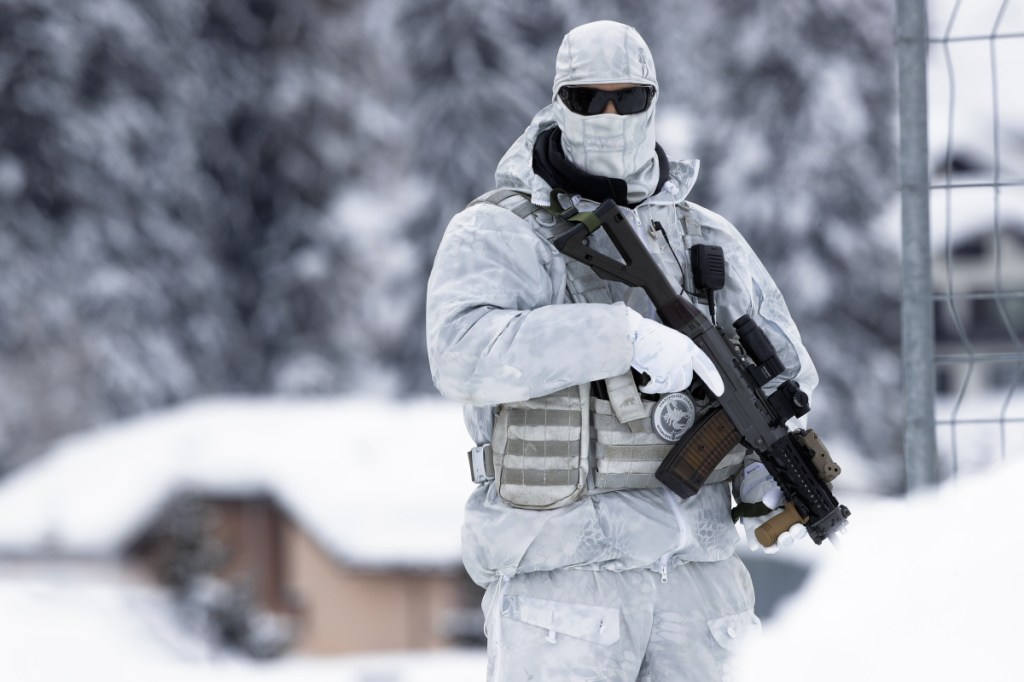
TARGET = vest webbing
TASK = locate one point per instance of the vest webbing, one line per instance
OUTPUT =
(627, 450)
(583, 284)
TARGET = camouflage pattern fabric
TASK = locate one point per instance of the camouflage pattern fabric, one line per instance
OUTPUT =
(576, 592)
(570, 625)
(500, 330)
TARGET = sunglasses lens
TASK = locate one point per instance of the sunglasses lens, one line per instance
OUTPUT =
(579, 100)
(632, 100)
(590, 101)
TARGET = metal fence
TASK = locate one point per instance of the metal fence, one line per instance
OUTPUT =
(962, 189)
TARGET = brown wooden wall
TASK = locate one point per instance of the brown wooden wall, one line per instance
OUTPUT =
(344, 609)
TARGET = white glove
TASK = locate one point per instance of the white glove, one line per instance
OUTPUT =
(669, 358)
(759, 486)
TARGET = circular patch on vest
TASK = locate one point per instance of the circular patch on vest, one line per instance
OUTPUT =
(673, 416)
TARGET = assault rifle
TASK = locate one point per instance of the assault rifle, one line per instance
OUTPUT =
(797, 460)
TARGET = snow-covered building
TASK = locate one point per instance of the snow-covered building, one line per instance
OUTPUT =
(979, 314)
(325, 526)
(977, 237)
(976, 144)
(976, 157)
(977, 242)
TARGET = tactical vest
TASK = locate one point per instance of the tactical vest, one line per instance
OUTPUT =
(552, 450)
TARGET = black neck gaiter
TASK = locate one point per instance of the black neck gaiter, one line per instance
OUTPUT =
(549, 163)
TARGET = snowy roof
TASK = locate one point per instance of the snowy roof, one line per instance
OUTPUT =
(969, 209)
(375, 482)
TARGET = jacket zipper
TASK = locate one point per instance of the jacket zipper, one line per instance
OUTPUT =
(670, 500)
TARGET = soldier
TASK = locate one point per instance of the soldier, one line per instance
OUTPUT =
(592, 568)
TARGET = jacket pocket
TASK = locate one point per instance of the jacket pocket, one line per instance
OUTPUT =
(734, 632)
(594, 624)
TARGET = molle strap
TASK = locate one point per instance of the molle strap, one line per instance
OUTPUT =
(495, 197)
(691, 225)
(509, 199)
(541, 449)
(626, 403)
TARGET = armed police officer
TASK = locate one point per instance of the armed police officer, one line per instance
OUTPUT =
(592, 568)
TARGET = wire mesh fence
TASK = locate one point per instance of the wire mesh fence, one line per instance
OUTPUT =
(963, 209)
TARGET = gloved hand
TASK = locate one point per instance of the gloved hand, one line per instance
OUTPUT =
(669, 358)
(758, 485)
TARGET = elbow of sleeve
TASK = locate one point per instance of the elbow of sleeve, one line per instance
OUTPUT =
(459, 377)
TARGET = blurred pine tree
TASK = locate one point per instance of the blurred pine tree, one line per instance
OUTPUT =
(217, 196)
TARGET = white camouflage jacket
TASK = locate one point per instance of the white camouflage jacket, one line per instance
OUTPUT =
(500, 329)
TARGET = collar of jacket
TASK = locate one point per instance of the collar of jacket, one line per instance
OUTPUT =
(550, 164)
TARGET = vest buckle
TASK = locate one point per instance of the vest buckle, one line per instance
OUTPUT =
(481, 464)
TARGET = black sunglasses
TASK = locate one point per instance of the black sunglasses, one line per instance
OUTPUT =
(589, 101)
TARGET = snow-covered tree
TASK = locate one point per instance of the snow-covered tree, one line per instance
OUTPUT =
(166, 175)
(210, 196)
(795, 126)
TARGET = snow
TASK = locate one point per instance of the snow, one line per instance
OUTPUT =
(920, 587)
(378, 483)
(906, 597)
(979, 430)
(59, 623)
(325, 461)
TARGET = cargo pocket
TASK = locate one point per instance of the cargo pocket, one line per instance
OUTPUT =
(732, 633)
(594, 624)
(540, 447)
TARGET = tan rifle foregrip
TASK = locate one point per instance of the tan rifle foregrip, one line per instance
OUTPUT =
(768, 532)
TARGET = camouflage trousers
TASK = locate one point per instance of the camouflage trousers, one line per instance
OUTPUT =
(631, 626)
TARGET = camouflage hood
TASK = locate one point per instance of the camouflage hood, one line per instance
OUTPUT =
(611, 145)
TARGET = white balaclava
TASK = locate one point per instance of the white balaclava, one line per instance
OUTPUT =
(610, 145)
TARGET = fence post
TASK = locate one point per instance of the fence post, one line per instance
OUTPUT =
(917, 311)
